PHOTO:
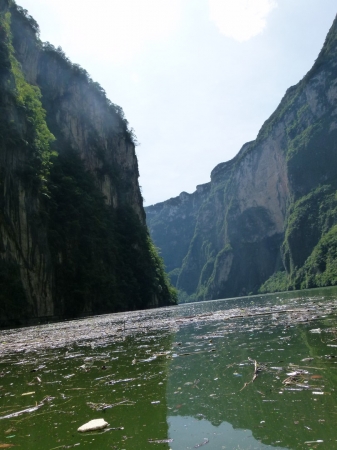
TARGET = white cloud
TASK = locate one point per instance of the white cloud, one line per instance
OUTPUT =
(240, 19)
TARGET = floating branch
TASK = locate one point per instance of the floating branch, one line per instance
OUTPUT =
(257, 369)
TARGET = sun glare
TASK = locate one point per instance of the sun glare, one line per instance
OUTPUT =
(241, 19)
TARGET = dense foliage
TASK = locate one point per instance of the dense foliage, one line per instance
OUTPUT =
(103, 257)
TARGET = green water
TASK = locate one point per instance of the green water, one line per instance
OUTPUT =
(182, 388)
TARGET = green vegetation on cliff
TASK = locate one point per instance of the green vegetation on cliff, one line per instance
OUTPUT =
(320, 269)
(66, 250)
(37, 136)
(104, 260)
(267, 222)
(309, 245)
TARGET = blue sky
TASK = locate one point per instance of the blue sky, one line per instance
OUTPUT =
(196, 78)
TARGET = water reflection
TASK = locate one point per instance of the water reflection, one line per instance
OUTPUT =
(188, 432)
(210, 385)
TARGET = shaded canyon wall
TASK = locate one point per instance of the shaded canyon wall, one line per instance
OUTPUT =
(73, 238)
(266, 220)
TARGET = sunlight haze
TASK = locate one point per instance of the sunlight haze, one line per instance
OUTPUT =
(195, 78)
(241, 19)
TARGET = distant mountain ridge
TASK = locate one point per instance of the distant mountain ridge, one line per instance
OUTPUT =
(267, 221)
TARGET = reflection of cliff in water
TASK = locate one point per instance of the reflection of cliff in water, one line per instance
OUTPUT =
(209, 386)
(188, 430)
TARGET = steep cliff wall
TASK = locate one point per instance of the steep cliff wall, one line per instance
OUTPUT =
(73, 238)
(268, 208)
(172, 226)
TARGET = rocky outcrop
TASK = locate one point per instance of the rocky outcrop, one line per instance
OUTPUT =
(267, 209)
(73, 238)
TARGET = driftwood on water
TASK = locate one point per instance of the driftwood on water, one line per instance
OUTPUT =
(27, 410)
(256, 371)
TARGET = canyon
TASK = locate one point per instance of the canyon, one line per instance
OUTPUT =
(267, 219)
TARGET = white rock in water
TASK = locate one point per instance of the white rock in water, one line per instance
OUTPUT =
(96, 424)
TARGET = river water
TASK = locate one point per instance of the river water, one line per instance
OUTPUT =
(251, 373)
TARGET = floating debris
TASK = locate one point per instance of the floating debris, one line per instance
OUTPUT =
(99, 330)
(93, 425)
(99, 406)
(295, 377)
(206, 441)
(125, 380)
(257, 369)
(28, 410)
(104, 406)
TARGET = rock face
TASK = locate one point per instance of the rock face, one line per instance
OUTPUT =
(266, 220)
(73, 238)
(172, 225)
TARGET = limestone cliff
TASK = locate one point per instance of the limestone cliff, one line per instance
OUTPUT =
(271, 211)
(73, 238)
(172, 226)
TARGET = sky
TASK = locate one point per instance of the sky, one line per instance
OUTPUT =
(195, 78)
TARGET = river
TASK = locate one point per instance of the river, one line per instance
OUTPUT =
(251, 373)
